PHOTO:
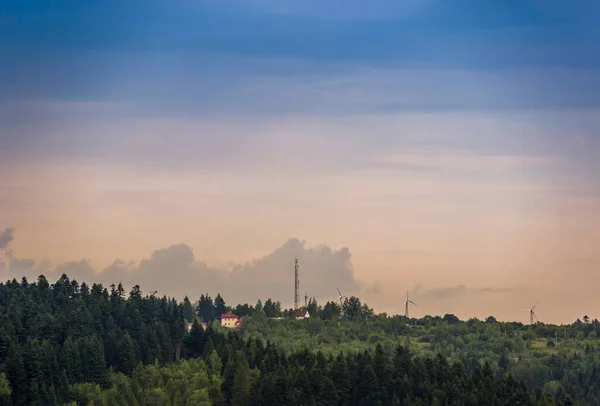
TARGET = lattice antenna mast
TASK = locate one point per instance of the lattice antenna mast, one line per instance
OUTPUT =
(296, 284)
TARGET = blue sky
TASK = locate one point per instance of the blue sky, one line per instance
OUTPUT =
(414, 31)
(425, 109)
(72, 43)
(273, 58)
(536, 62)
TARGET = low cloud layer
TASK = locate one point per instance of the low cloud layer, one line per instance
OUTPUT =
(6, 237)
(175, 271)
(457, 291)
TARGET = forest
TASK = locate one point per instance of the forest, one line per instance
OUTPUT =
(66, 343)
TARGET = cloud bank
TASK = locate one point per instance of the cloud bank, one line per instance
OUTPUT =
(175, 271)
(6, 237)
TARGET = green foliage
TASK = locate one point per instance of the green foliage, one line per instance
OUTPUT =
(242, 383)
(5, 390)
(66, 344)
(513, 349)
(17, 375)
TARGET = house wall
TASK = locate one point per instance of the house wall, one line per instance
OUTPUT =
(228, 322)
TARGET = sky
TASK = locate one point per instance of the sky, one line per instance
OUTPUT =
(445, 148)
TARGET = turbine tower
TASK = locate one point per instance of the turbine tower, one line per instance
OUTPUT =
(532, 317)
(406, 303)
(342, 297)
(296, 283)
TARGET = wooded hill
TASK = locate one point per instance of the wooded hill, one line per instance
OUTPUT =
(68, 343)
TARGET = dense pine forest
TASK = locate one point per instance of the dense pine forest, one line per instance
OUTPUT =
(73, 344)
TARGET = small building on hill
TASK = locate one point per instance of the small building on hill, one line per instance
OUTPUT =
(301, 314)
(239, 322)
(229, 320)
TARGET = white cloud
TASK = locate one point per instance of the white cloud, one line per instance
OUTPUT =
(175, 271)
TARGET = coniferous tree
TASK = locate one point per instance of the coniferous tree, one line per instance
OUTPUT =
(220, 307)
(126, 360)
(70, 359)
(302, 388)
(205, 308)
(71, 341)
(340, 376)
(196, 340)
(5, 337)
(504, 362)
(366, 391)
(383, 372)
(17, 376)
(5, 390)
(93, 361)
(208, 347)
(149, 345)
(258, 307)
(242, 384)
(328, 395)
(188, 310)
(228, 379)
(281, 391)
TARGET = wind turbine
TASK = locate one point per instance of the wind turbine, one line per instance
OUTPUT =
(342, 297)
(532, 316)
(406, 303)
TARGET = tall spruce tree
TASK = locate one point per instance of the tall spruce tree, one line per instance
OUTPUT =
(17, 376)
(242, 384)
(5, 390)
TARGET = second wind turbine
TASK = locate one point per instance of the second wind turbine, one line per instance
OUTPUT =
(406, 303)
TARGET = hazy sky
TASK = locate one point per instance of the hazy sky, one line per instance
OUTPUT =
(446, 147)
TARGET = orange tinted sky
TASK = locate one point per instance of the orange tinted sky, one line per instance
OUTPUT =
(425, 219)
(471, 181)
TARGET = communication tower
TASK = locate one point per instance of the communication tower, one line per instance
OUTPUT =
(296, 284)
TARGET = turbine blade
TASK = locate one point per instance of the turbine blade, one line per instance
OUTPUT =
(410, 301)
(339, 292)
(536, 303)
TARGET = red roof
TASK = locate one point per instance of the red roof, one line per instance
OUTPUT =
(229, 315)
(300, 313)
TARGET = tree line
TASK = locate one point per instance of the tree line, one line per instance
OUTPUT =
(68, 343)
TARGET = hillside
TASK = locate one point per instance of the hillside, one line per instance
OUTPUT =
(531, 354)
(72, 344)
